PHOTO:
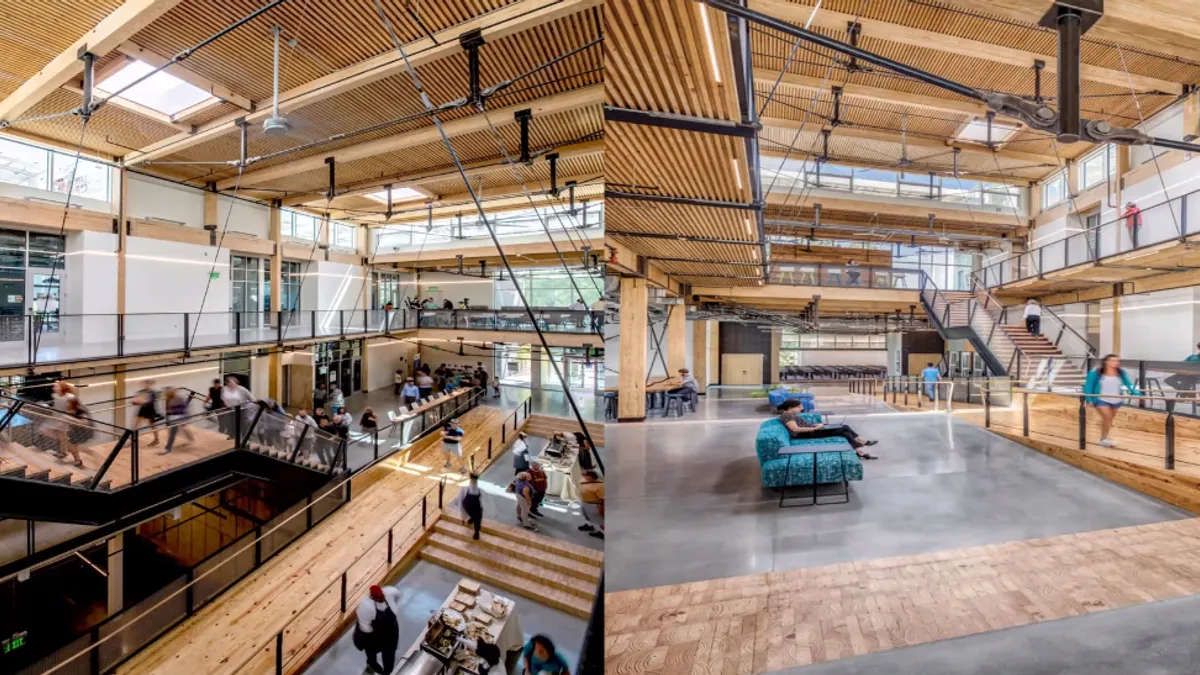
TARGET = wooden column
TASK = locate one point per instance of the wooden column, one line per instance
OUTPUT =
(1116, 325)
(122, 234)
(1073, 181)
(275, 360)
(365, 368)
(1123, 162)
(676, 338)
(700, 353)
(714, 353)
(116, 573)
(1191, 116)
(635, 299)
(210, 207)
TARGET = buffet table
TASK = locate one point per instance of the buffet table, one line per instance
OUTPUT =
(469, 612)
(563, 474)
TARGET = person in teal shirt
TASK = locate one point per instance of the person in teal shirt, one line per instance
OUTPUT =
(1103, 390)
(541, 658)
(1194, 358)
(930, 375)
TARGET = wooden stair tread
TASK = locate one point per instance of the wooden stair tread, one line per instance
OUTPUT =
(511, 564)
(517, 549)
(551, 597)
(562, 548)
(40, 460)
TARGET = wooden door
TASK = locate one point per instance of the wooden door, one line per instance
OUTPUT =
(743, 369)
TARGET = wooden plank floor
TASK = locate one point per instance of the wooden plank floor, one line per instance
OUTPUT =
(231, 631)
(766, 622)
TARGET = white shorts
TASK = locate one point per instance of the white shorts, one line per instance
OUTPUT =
(452, 448)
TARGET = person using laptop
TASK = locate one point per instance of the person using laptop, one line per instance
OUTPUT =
(789, 414)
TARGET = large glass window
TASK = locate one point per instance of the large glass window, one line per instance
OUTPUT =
(42, 169)
(1054, 190)
(792, 343)
(344, 235)
(548, 288)
(1097, 165)
(392, 237)
(246, 279)
(385, 289)
(289, 286)
(19, 249)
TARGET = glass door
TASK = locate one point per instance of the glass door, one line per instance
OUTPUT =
(245, 278)
(45, 293)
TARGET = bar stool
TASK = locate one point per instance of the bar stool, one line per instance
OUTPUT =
(677, 398)
(610, 405)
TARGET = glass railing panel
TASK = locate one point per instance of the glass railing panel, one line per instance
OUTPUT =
(298, 325)
(70, 337)
(328, 322)
(213, 329)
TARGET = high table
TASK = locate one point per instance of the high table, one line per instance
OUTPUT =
(504, 632)
(654, 391)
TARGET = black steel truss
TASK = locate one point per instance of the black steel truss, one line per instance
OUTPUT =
(684, 201)
(702, 125)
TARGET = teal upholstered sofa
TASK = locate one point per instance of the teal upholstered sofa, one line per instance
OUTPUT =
(840, 464)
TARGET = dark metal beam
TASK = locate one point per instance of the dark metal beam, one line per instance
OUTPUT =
(684, 201)
(743, 67)
(678, 237)
(702, 125)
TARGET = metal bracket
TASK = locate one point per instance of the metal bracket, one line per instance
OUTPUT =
(523, 116)
(471, 41)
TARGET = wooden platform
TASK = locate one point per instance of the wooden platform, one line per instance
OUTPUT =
(766, 622)
(236, 633)
(553, 573)
(546, 426)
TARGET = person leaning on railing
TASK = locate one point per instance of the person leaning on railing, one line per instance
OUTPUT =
(1103, 391)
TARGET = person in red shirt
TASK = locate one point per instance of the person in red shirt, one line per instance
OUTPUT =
(1133, 221)
(540, 482)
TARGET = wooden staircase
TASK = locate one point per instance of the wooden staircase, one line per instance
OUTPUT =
(1036, 369)
(20, 461)
(546, 426)
(551, 572)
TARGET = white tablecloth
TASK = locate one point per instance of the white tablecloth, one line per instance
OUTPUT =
(504, 633)
(562, 482)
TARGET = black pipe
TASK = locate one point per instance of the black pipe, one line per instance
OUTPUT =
(89, 80)
(678, 237)
(685, 201)
(786, 28)
(1069, 34)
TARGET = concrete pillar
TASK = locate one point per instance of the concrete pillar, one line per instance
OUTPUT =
(635, 299)
(116, 573)
(275, 364)
(676, 339)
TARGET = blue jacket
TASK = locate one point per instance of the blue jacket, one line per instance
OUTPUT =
(1092, 386)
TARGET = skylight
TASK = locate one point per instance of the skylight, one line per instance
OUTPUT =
(161, 91)
(976, 131)
(399, 194)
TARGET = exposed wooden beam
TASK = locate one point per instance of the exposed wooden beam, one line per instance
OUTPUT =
(471, 255)
(915, 141)
(191, 111)
(768, 150)
(515, 18)
(543, 107)
(916, 37)
(114, 29)
(186, 74)
(806, 83)
(460, 202)
(1162, 26)
(977, 216)
(413, 180)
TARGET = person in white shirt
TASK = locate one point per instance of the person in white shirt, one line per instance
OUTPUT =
(378, 630)
(598, 305)
(520, 451)
(578, 305)
(234, 394)
(1033, 317)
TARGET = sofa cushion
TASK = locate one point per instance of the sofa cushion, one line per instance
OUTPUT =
(772, 435)
(775, 472)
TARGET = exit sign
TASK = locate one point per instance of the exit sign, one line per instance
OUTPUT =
(13, 643)
(214, 275)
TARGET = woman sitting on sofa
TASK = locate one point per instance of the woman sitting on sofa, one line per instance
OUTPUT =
(789, 414)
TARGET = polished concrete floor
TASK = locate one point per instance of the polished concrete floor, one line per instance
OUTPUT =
(1151, 639)
(424, 588)
(685, 501)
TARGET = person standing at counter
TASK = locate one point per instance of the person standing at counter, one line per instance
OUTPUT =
(539, 657)
(520, 451)
(378, 631)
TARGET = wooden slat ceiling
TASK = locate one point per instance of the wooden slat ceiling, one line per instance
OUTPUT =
(328, 37)
(1101, 101)
(657, 60)
(32, 32)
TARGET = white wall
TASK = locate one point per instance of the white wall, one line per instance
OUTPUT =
(243, 216)
(1159, 326)
(384, 357)
(170, 278)
(150, 198)
(480, 293)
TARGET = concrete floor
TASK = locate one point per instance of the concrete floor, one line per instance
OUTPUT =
(561, 520)
(1151, 639)
(687, 503)
(424, 588)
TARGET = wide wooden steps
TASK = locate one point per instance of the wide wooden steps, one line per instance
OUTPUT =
(553, 573)
(546, 426)
(19, 461)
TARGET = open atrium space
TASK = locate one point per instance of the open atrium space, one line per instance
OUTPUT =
(326, 326)
(301, 337)
(902, 348)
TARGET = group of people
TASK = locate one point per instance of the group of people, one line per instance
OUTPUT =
(377, 634)
(422, 385)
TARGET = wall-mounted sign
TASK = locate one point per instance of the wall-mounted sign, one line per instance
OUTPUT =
(214, 275)
(13, 643)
